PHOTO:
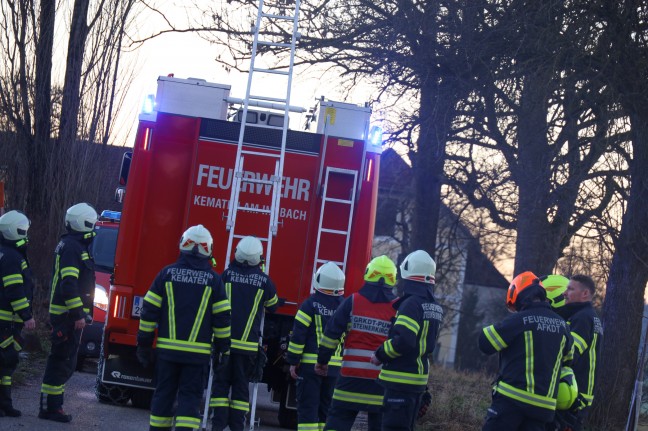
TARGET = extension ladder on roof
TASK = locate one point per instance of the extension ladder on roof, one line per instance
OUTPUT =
(277, 15)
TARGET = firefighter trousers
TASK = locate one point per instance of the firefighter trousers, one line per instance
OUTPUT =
(505, 414)
(400, 410)
(569, 420)
(233, 373)
(341, 418)
(184, 382)
(8, 353)
(10, 344)
(314, 395)
(61, 363)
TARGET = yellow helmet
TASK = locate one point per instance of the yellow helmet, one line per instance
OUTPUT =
(556, 286)
(567, 389)
(381, 269)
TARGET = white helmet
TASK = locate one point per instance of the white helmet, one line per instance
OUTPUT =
(14, 226)
(418, 266)
(81, 217)
(197, 241)
(249, 249)
(329, 279)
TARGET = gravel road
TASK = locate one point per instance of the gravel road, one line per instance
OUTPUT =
(89, 414)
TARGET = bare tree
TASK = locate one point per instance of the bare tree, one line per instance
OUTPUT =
(46, 174)
(530, 137)
(621, 57)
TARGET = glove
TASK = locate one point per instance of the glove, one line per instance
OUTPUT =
(144, 355)
(426, 401)
(259, 362)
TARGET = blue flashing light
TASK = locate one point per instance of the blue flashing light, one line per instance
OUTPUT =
(149, 104)
(375, 135)
(111, 215)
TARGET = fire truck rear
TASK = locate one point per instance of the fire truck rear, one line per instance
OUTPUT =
(182, 173)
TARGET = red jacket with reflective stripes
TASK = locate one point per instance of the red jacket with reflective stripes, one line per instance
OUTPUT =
(370, 323)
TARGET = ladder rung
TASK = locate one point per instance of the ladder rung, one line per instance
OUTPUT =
(266, 98)
(234, 235)
(269, 43)
(253, 210)
(324, 261)
(260, 153)
(343, 171)
(271, 15)
(341, 232)
(256, 180)
(272, 71)
(340, 201)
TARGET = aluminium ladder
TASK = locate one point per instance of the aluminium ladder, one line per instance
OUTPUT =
(280, 101)
(331, 198)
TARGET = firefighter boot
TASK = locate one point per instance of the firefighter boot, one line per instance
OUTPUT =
(6, 405)
(54, 411)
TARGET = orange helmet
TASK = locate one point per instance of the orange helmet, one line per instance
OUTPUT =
(520, 283)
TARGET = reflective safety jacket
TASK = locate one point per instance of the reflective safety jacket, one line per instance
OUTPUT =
(586, 328)
(188, 305)
(308, 329)
(411, 340)
(533, 344)
(73, 279)
(250, 290)
(366, 317)
(16, 285)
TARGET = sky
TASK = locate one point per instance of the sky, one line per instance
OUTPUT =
(188, 55)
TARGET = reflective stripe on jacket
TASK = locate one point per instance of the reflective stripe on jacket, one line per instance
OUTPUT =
(73, 279)
(533, 345)
(188, 305)
(16, 285)
(369, 326)
(411, 340)
(586, 328)
(250, 291)
(308, 330)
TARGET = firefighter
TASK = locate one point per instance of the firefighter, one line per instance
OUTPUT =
(15, 301)
(533, 344)
(365, 317)
(314, 392)
(585, 326)
(71, 302)
(250, 291)
(412, 339)
(188, 305)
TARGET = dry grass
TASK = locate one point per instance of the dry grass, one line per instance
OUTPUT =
(459, 401)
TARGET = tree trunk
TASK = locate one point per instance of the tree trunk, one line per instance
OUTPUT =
(42, 145)
(436, 114)
(624, 299)
(536, 244)
(73, 68)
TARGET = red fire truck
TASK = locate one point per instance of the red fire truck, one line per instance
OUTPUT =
(181, 174)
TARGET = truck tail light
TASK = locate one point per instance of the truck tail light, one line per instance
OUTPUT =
(120, 307)
(369, 166)
(148, 134)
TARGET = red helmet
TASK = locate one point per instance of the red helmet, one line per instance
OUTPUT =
(520, 283)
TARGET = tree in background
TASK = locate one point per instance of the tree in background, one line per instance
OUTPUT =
(621, 58)
(530, 140)
(47, 123)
